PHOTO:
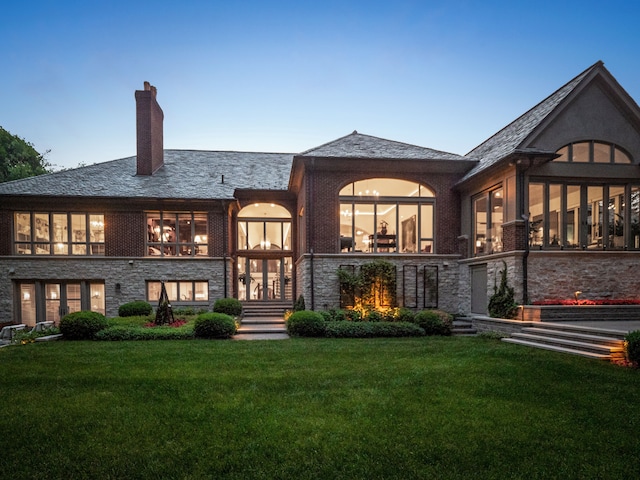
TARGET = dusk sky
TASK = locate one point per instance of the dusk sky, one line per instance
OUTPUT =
(287, 76)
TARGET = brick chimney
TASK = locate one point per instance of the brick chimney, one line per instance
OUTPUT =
(149, 119)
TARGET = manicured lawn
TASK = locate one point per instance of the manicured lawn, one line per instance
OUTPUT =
(314, 409)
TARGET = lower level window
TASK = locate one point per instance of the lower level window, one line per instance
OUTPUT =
(179, 291)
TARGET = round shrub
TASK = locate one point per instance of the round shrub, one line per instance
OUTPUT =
(434, 322)
(633, 346)
(306, 323)
(214, 325)
(228, 306)
(82, 325)
(134, 309)
(404, 315)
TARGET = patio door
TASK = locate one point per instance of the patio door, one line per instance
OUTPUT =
(264, 279)
(61, 299)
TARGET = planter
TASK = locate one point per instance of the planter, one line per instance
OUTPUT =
(568, 313)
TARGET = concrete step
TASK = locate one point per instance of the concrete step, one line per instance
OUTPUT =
(570, 343)
(574, 335)
(260, 336)
(463, 327)
(581, 329)
(555, 348)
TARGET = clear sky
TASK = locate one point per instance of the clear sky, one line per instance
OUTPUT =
(286, 76)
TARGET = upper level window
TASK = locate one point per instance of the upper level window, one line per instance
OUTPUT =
(488, 213)
(386, 215)
(40, 233)
(177, 234)
(264, 226)
(592, 152)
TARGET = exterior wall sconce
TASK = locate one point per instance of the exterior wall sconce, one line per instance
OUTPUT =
(130, 262)
(12, 271)
(118, 287)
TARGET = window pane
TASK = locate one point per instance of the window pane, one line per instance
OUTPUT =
(73, 297)
(184, 228)
(153, 291)
(620, 156)
(386, 232)
(42, 227)
(572, 219)
(273, 238)
(78, 228)
(581, 152)
(201, 238)
(497, 213)
(408, 228)
(536, 214)
(96, 291)
(242, 236)
(555, 215)
(186, 291)
(255, 235)
(60, 234)
(616, 213)
(564, 154)
(22, 227)
(594, 217)
(364, 227)
(28, 304)
(96, 228)
(346, 230)
(635, 217)
(52, 302)
(201, 291)
(426, 229)
(480, 221)
(601, 153)
(286, 226)
(169, 238)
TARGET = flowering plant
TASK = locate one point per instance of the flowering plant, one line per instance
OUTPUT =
(604, 301)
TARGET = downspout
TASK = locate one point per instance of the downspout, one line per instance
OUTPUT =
(226, 240)
(525, 216)
(310, 234)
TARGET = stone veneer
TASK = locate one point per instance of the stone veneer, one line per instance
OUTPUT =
(327, 288)
(131, 274)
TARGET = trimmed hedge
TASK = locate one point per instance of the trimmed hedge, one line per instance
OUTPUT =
(633, 346)
(306, 323)
(137, 308)
(228, 306)
(121, 333)
(434, 322)
(346, 329)
(214, 325)
(82, 325)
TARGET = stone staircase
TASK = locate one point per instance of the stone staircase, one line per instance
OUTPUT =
(263, 321)
(596, 343)
(462, 326)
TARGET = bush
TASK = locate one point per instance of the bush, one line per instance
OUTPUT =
(82, 325)
(633, 346)
(137, 308)
(372, 329)
(214, 325)
(434, 322)
(374, 316)
(299, 305)
(404, 315)
(306, 323)
(122, 332)
(228, 306)
(502, 303)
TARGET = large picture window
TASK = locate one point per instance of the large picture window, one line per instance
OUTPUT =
(488, 213)
(386, 215)
(179, 291)
(39, 233)
(171, 234)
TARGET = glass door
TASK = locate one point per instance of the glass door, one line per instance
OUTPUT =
(61, 299)
(265, 279)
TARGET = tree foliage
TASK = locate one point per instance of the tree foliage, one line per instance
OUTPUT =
(18, 158)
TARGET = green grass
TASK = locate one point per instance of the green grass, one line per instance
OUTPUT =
(314, 409)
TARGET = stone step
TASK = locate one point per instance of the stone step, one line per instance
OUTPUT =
(581, 329)
(572, 344)
(262, 320)
(574, 335)
(260, 336)
(555, 348)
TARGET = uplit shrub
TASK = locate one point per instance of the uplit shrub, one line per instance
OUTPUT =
(404, 315)
(214, 325)
(632, 341)
(306, 323)
(228, 306)
(434, 322)
(136, 308)
(82, 325)
(374, 316)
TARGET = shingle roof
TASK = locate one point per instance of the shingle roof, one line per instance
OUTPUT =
(508, 140)
(357, 145)
(186, 174)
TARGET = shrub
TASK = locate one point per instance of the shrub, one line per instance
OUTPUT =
(434, 322)
(374, 316)
(185, 311)
(122, 332)
(632, 341)
(82, 325)
(306, 323)
(136, 308)
(502, 303)
(228, 306)
(404, 315)
(299, 305)
(214, 325)
(372, 329)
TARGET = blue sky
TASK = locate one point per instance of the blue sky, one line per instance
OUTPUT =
(286, 76)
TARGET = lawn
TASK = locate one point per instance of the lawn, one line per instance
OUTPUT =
(314, 409)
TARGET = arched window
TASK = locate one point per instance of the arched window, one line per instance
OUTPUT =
(264, 226)
(386, 215)
(592, 152)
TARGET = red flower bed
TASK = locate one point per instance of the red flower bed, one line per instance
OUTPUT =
(620, 301)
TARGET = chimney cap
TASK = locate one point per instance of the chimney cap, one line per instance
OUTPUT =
(151, 88)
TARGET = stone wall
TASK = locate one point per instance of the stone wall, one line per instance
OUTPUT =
(327, 290)
(131, 274)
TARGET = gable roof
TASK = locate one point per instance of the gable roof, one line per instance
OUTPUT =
(186, 174)
(357, 145)
(509, 140)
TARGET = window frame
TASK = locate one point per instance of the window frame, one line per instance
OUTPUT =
(177, 300)
(170, 243)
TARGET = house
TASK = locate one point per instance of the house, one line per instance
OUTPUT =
(554, 197)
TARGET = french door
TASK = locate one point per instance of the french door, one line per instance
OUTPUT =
(265, 279)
